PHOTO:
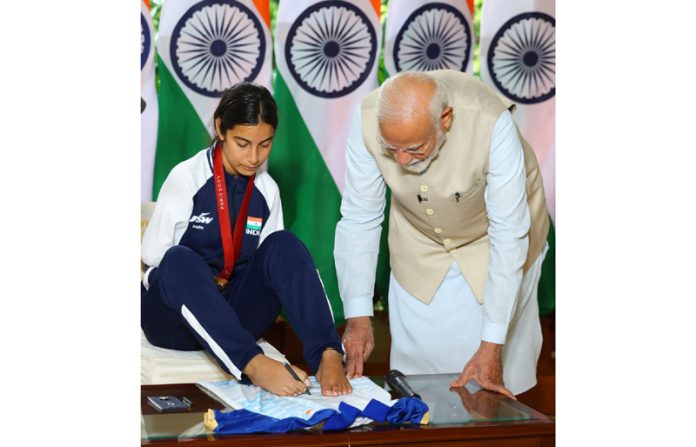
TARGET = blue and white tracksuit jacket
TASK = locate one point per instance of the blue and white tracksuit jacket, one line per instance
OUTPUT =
(181, 306)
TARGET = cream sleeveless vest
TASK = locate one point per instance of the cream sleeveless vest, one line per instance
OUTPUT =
(440, 215)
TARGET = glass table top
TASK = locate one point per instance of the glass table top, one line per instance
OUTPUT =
(456, 406)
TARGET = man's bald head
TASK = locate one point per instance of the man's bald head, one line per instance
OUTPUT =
(410, 95)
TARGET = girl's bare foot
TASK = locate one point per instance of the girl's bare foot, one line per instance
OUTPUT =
(331, 375)
(272, 376)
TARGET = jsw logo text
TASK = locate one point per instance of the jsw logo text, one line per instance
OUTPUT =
(201, 218)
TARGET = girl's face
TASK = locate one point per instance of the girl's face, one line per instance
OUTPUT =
(245, 147)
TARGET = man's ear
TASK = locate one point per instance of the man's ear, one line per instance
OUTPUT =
(446, 117)
(217, 129)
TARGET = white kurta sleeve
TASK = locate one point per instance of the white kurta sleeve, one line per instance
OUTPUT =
(358, 232)
(508, 215)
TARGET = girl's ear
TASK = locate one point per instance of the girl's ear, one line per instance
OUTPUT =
(217, 129)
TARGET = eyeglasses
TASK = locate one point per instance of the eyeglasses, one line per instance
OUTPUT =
(418, 150)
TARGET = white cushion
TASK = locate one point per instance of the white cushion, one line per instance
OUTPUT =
(159, 365)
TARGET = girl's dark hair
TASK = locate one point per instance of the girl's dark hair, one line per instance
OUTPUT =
(248, 104)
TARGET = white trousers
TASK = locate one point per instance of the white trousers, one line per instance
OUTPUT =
(442, 336)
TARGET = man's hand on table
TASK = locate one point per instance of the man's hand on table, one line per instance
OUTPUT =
(358, 342)
(486, 368)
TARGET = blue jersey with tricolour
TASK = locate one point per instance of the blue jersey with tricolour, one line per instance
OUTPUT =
(186, 214)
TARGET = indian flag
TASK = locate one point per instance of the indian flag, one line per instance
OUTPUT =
(204, 47)
(148, 95)
(326, 56)
(254, 223)
(518, 59)
(425, 35)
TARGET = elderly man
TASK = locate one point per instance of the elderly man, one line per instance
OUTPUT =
(467, 231)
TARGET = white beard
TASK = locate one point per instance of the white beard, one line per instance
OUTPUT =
(420, 166)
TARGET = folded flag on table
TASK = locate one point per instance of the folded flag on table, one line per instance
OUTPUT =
(258, 411)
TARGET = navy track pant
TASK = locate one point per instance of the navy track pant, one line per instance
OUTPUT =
(183, 308)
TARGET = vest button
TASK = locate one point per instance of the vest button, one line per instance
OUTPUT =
(438, 230)
(446, 241)
(424, 188)
(429, 212)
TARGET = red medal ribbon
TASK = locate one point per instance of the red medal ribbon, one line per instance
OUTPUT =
(230, 247)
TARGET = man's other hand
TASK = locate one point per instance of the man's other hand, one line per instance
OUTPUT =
(486, 368)
(358, 342)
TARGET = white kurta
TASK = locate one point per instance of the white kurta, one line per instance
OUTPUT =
(441, 337)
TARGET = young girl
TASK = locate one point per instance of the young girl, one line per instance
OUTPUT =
(220, 265)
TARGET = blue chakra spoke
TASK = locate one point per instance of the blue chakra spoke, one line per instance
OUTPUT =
(227, 24)
(516, 54)
(322, 25)
(513, 41)
(331, 26)
(196, 47)
(231, 30)
(511, 45)
(447, 59)
(428, 27)
(548, 55)
(525, 34)
(227, 65)
(413, 58)
(312, 62)
(242, 38)
(235, 35)
(325, 70)
(548, 46)
(517, 78)
(313, 41)
(199, 56)
(339, 64)
(234, 61)
(349, 33)
(353, 41)
(452, 50)
(513, 71)
(510, 68)
(319, 68)
(451, 40)
(547, 40)
(420, 32)
(200, 64)
(412, 46)
(546, 72)
(356, 56)
(218, 64)
(208, 67)
(537, 38)
(192, 36)
(207, 25)
(210, 28)
(307, 56)
(440, 27)
(342, 30)
(519, 40)
(321, 22)
(306, 50)
(313, 35)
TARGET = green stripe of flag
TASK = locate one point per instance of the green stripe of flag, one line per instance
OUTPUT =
(180, 134)
(311, 200)
(547, 281)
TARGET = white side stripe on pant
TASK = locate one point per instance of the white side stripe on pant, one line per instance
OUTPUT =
(196, 326)
(326, 296)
